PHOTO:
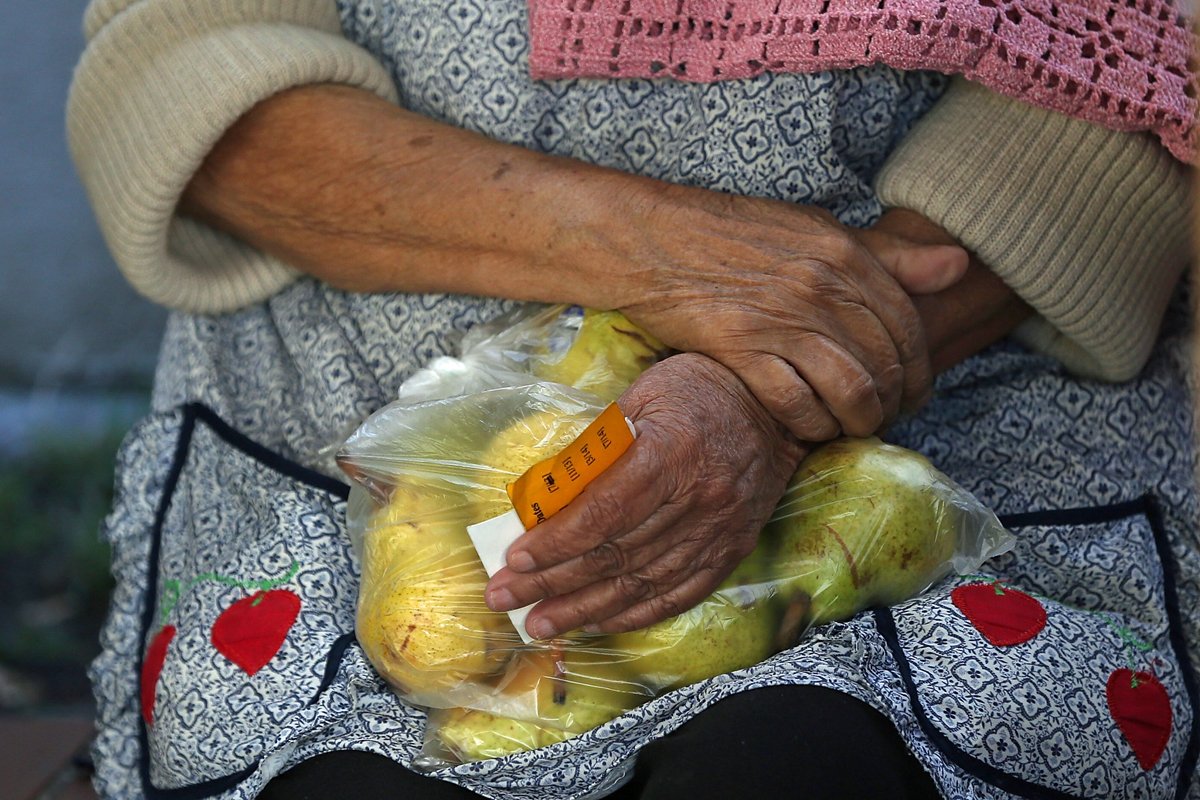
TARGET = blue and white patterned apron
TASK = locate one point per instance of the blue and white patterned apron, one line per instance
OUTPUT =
(229, 653)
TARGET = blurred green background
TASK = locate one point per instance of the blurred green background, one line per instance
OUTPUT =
(77, 349)
(54, 578)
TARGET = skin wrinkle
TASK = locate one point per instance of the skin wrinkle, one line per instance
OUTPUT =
(652, 548)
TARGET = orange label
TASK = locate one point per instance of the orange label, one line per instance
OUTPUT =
(547, 487)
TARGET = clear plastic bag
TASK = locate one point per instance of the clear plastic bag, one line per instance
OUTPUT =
(862, 523)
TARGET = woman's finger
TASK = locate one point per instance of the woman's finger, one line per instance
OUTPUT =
(787, 397)
(654, 609)
(611, 558)
(874, 349)
(614, 597)
(919, 267)
(616, 502)
(895, 311)
(853, 395)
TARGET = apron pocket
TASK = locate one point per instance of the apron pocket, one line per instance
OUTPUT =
(247, 604)
(1063, 664)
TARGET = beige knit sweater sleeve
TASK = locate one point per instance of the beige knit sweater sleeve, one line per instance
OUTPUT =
(158, 84)
(1089, 226)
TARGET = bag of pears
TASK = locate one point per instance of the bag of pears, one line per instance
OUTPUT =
(861, 524)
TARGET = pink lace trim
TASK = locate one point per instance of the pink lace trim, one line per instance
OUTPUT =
(1119, 63)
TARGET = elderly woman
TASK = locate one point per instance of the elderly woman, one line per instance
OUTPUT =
(327, 195)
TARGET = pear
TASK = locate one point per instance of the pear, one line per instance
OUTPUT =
(567, 685)
(862, 523)
(421, 616)
(422, 619)
(548, 694)
(472, 735)
(733, 628)
(607, 355)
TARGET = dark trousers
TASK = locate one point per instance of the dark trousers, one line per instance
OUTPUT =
(785, 741)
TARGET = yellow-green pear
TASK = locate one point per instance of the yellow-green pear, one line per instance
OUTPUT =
(607, 355)
(421, 616)
(862, 523)
(472, 735)
(547, 694)
(733, 628)
(572, 686)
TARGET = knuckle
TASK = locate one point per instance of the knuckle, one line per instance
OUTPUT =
(859, 389)
(605, 559)
(542, 584)
(911, 333)
(843, 248)
(793, 400)
(890, 380)
(817, 425)
(634, 587)
(864, 417)
(891, 389)
(574, 614)
(602, 515)
(718, 489)
(821, 280)
(665, 606)
(825, 218)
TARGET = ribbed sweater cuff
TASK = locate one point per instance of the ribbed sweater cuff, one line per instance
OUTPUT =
(158, 85)
(1089, 226)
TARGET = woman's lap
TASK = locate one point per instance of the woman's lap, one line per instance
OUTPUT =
(771, 742)
(1009, 425)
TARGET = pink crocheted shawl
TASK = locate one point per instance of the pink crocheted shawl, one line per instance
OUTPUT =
(1119, 63)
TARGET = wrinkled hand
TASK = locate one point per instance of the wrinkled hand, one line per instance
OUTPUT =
(815, 318)
(660, 529)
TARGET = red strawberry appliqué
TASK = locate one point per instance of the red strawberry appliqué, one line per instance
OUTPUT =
(1140, 706)
(1004, 616)
(250, 632)
(156, 655)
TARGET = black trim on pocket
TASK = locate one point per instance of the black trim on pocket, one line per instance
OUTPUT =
(1146, 506)
(1085, 515)
(193, 412)
(960, 758)
(267, 457)
(332, 662)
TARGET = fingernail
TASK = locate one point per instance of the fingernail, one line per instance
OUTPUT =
(540, 629)
(520, 561)
(501, 600)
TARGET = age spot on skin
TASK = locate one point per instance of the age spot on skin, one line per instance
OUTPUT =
(420, 141)
(501, 171)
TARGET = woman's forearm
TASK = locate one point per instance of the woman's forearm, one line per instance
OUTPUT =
(370, 197)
